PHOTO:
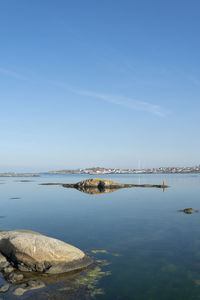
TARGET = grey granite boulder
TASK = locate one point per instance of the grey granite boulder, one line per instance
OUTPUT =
(32, 251)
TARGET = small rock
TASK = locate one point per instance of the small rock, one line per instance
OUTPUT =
(8, 269)
(24, 268)
(4, 264)
(19, 292)
(4, 288)
(2, 258)
(29, 285)
(23, 285)
(188, 210)
(13, 277)
(35, 284)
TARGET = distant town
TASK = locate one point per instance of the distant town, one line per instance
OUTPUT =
(102, 171)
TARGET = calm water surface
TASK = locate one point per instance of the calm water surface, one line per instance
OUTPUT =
(152, 251)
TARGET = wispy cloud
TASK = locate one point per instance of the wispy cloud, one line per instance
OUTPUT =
(125, 101)
(11, 73)
(194, 80)
(110, 98)
(116, 99)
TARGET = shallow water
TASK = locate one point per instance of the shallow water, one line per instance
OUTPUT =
(152, 251)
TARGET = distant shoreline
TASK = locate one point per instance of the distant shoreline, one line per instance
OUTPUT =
(111, 171)
(118, 173)
(19, 175)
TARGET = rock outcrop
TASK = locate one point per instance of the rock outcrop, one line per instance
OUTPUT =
(34, 252)
(98, 186)
(97, 183)
(188, 211)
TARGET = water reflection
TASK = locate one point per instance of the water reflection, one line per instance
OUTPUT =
(94, 191)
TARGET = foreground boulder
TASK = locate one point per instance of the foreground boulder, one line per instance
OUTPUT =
(34, 252)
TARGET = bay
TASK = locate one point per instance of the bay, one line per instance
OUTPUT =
(143, 247)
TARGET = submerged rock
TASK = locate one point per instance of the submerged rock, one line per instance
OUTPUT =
(32, 251)
(188, 211)
(35, 284)
(13, 277)
(19, 291)
(30, 285)
(8, 269)
(4, 288)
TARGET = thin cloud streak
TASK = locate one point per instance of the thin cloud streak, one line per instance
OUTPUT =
(194, 80)
(11, 73)
(114, 99)
(124, 101)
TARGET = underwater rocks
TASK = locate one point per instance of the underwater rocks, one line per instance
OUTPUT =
(29, 285)
(4, 288)
(14, 277)
(29, 251)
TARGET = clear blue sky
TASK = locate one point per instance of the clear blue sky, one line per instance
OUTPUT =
(99, 83)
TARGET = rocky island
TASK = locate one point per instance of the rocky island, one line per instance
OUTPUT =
(188, 211)
(97, 186)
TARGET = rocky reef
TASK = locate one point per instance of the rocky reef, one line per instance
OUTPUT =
(98, 186)
(188, 211)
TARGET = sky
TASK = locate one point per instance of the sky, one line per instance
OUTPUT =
(110, 83)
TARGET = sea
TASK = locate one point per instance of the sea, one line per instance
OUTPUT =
(144, 246)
